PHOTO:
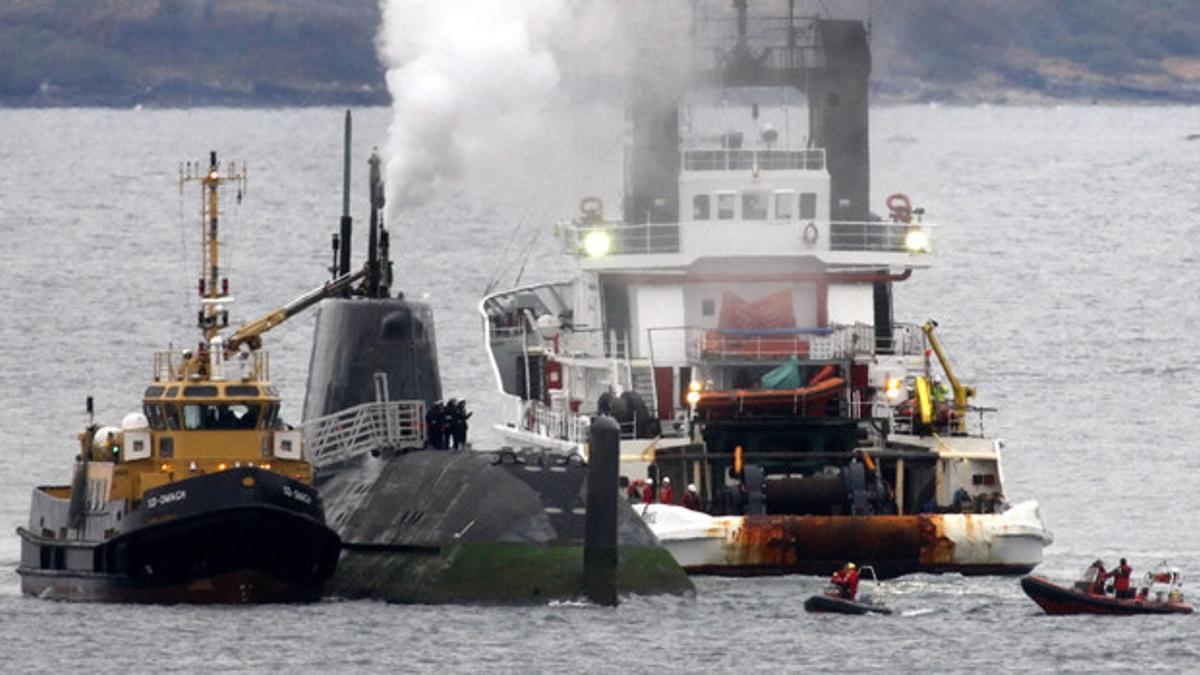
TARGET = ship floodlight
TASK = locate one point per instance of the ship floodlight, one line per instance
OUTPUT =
(916, 241)
(894, 388)
(693, 397)
(695, 385)
(597, 244)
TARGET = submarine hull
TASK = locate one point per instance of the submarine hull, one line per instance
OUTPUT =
(420, 525)
(239, 536)
(435, 526)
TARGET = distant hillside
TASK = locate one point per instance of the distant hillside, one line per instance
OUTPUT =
(181, 52)
(294, 52)
(1030, 50)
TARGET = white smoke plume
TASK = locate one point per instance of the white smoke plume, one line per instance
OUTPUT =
(472, 79)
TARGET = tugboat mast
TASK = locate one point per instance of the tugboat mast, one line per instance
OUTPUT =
(214, 290)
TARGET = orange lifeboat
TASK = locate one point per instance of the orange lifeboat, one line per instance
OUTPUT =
(803, 401)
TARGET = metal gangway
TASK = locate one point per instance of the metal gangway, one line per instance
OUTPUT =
(362, 429)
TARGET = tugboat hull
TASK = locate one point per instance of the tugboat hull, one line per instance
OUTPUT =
(239, 536)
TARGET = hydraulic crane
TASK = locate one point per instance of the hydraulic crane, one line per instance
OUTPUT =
(962, 393)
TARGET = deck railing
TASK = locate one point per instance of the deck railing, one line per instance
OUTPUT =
(748, 160)
(880, 235)
(623, 239)
(364, 428)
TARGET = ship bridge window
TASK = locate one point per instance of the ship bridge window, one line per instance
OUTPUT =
(808, 205)
(784, 205)
(153, 392)
(170, 415)
(700, 207)
(726, 203)
(754, 206)
(269, 417)
(200, 391)
(219, 416)
(154, 416)
(241, 390)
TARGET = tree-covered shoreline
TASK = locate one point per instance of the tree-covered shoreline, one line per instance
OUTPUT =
(182, 53)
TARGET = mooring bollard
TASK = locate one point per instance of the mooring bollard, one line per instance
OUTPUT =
(600, 526)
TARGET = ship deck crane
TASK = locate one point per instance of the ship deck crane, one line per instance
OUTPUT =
(962, 393)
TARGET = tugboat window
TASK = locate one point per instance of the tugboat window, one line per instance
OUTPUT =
(155, 417)
(808, 205)
(725, 206)
(171, 416)
(241, 390)
(754, 206)
(200, 391)
(700, 207)
(219, 416)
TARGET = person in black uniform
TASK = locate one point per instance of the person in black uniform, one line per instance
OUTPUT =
(433, 425)
(458, 417)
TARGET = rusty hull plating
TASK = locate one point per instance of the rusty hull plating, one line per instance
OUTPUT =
(894, 545)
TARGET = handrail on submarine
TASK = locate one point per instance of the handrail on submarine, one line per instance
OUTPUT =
(251, 333)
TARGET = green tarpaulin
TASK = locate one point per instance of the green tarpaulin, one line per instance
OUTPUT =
(786, 376)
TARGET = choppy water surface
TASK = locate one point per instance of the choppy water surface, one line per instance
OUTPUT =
(1065, 289)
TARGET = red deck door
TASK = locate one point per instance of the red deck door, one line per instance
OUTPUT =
(664, 387)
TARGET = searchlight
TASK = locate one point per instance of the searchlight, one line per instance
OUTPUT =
(916, 241)
(597, 243)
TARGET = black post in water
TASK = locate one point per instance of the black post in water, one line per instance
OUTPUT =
(600, 526)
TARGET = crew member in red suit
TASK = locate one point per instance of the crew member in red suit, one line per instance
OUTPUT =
(691, 498)
(1121, 577)
(648, 493)
(1097, 576)
(846, 579)
(666, 495)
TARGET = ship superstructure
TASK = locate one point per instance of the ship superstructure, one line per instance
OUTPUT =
(204, 496)
(738, 321)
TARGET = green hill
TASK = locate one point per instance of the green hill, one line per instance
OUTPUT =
(293, 52)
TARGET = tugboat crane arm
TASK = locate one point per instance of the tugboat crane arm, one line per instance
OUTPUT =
(251, 333)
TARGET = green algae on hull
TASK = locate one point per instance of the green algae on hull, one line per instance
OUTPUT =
(497, 573)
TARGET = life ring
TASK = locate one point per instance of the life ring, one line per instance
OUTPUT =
(811, 234)
(900, 206)
(593, 207)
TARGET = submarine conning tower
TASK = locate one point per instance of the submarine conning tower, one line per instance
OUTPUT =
(369, 345)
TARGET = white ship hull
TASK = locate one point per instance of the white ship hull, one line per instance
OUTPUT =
(1003, 543)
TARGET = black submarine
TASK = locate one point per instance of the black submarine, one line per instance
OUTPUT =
(420, 524)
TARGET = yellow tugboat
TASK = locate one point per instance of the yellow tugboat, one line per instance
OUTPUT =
(205, 495)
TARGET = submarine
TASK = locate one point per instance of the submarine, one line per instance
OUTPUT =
(423, 524)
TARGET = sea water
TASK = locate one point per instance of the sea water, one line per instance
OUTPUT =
(1065, 285)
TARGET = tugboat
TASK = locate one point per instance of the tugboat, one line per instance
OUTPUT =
(421, 521)
(738, 320)
(205, 495)
(1161, 592)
